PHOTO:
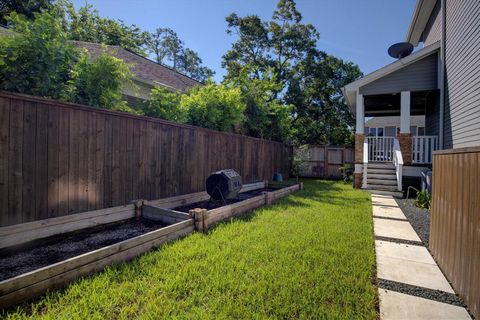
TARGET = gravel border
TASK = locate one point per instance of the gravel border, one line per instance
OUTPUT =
(418, 218)
(431, 294)
(396, 240)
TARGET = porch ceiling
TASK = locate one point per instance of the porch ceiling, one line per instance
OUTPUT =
(389, 104)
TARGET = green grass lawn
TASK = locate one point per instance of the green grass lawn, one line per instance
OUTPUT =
(310, 255)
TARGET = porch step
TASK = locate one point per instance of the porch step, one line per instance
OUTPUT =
(384, 187)
(390, 176)
(380, 171)
(380, 165)
(395, 194)
(382, 182)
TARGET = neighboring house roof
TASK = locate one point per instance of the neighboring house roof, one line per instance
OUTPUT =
(421, 15)
(350, 90)
(144, 69)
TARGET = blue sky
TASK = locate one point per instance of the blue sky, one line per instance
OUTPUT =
(356, 30)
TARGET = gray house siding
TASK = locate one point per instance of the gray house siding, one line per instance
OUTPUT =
(462, 75)
(433, 30)
(432, 115)
(421, 75)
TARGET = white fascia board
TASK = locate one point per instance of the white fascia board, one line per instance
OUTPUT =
(421, 15)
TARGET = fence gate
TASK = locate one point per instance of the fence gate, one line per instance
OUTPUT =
(323, 161)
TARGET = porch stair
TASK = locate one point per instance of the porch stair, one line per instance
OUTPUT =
(382, 179)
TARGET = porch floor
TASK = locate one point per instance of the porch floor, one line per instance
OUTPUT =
(410, 282)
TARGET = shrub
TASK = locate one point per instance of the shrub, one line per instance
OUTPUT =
(165, 104)
(38, 60)
(347, 173)
(423, 200)
(99, 82)
(214, 106)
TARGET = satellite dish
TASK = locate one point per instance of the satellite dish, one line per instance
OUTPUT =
(400, 50)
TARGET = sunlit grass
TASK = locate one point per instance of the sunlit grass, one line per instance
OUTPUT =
(310, 255)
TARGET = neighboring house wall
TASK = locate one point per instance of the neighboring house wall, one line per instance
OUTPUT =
(462, 82)
(433, 30)
(421, 75)
(394, 121)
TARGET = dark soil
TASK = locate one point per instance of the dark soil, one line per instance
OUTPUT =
(67, 246)
(418, 218)
(214, 204)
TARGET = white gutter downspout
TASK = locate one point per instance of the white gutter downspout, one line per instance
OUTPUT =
(441, 75)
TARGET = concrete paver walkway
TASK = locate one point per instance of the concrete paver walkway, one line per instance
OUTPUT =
(407, 264)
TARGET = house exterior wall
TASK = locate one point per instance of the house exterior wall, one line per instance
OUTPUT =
(433, 30)
(393, 121)
(421, 75)
(462, 80)
(432, 116)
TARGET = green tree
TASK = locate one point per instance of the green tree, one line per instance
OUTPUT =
(165, 104)
(321, 114)
(99, 82)
(169, 49)
(191, 65)
(280, 44)
(213, 106)
(39, 59)
(87, 25)
(27, 8)
(306, 99)
(265, 116)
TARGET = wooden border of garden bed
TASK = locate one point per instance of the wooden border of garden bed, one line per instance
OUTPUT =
(31, 284)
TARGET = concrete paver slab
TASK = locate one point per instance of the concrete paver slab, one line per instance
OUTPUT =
(383, 201)
(402, 251)
(388, 212)
(395, 305)
(394, 229)
(414, 273)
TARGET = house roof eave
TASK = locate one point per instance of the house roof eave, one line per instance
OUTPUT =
(421, 14)
(351, 89)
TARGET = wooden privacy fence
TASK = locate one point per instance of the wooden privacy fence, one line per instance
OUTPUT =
(59, 158)
(455, 222)
(324, 161)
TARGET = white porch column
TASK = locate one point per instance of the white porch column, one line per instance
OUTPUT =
(405, 112)
(405, 137)
(359, 140)
(360, 114)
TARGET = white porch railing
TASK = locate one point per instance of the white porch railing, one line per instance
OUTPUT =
(422, 148)
(380, 148)
(365, 163)
(398, 162)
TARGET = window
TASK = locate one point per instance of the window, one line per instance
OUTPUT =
(390, 131)
(413, 130)
(375, 132)
(421, 131)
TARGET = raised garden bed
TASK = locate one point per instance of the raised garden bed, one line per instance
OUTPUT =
(47, 254)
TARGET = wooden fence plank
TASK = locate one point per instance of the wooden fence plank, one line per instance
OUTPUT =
(4, 155)
(15, 151)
